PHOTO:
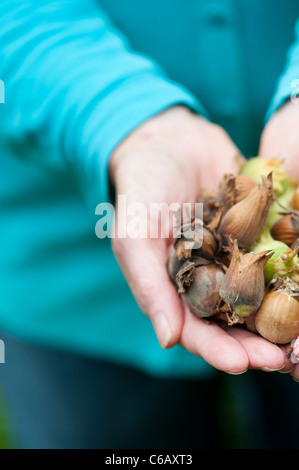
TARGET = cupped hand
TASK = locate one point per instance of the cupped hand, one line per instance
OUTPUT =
(280, 138)
(169, 159)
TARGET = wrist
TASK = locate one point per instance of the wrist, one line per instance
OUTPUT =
(155, 134)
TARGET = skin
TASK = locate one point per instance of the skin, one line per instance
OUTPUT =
(281, 139)
(170, 158)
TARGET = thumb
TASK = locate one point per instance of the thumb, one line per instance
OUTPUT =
(280, 137)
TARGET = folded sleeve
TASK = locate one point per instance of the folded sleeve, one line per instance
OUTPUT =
(288, 84)
(74, 88)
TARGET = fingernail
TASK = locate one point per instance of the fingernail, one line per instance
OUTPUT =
(267, 369)
(237, 373)
(295, 380)
(294, 358)
(162, 330)
(286, 371)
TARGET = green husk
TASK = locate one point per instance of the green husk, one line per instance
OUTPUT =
(283, 263)
(242, 288)
(284, 185)
(283, 201)
(257, 167)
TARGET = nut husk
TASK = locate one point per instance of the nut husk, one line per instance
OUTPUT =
(243, 285)
(173, 264)
(198, 283)
(208, 246)
(196, 240)
(233, 189)
(210, 204)
(245, 220)
(258, 167)
(284, 261)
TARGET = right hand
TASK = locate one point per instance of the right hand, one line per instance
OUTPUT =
(170, 158)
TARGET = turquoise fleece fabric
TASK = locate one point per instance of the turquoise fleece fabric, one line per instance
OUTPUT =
(79, 75)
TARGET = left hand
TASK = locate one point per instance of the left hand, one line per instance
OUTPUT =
(280, 138)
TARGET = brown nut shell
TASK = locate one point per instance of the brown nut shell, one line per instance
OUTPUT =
(199, 288)
(277, 320)
(286, 229)
(295, 201)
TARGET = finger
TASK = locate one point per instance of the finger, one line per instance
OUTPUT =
(212, 343)
(280, 139)
(292, 352)
(144, 264)
(261, 353)
(270, 146)
(289, 365)
(295, 373)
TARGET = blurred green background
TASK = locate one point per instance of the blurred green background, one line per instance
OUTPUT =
(236, 423)
(5, 432)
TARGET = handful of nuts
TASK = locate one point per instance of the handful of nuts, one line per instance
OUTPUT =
(246, 270)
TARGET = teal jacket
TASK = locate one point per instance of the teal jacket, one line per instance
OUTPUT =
(78, 76)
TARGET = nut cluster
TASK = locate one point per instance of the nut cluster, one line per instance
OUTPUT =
(246, 271)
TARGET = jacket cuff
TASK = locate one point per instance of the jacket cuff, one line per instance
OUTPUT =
(289, 82)
(287, 87)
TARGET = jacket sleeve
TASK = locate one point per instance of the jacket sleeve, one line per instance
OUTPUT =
(288, 84)
(74, 88)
